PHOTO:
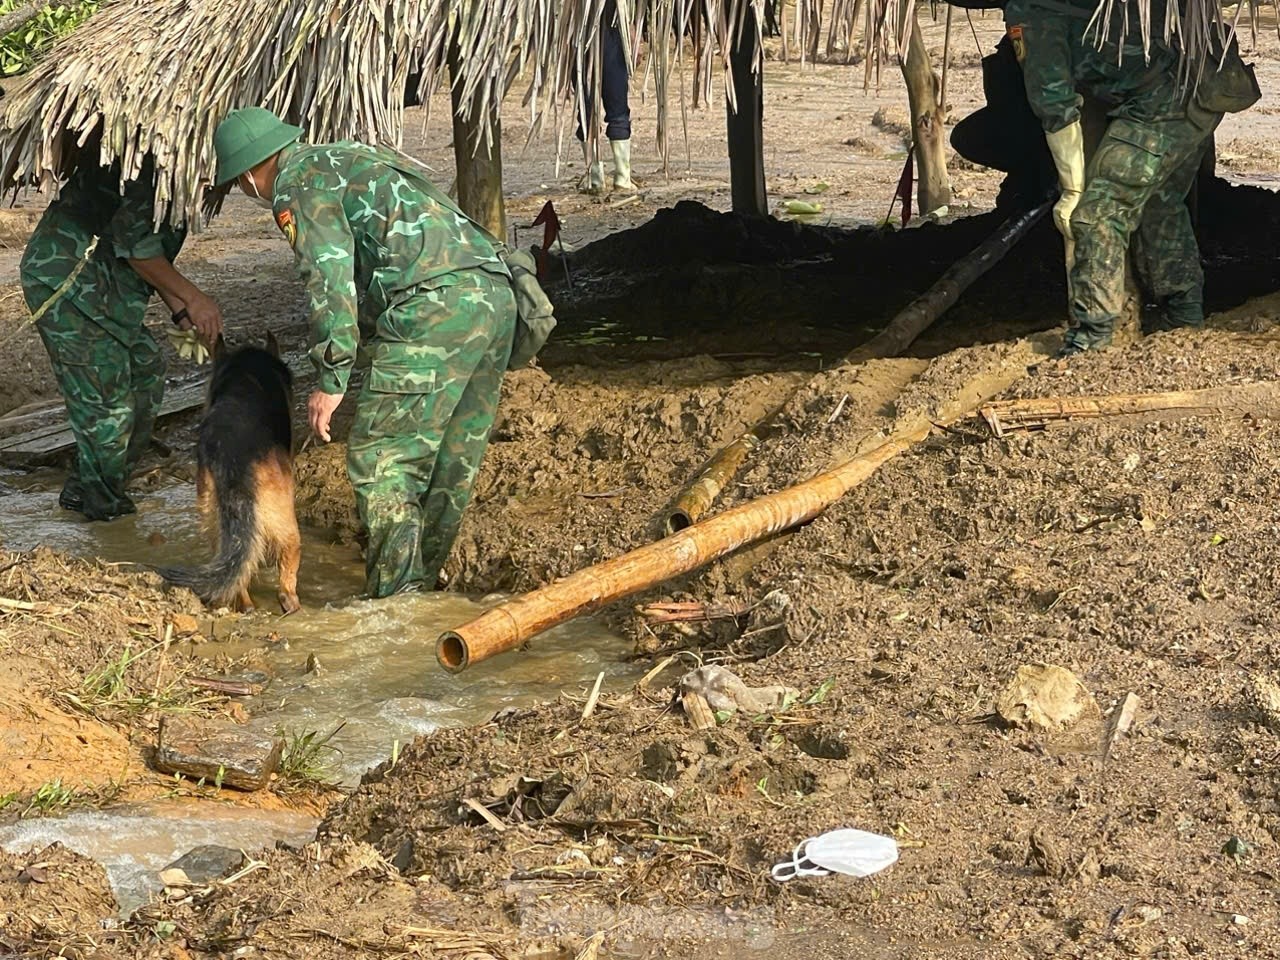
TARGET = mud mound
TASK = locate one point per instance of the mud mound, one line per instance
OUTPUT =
(52, 903)
(80, 661)
(692, 233)
(633, 804)
(76, 612)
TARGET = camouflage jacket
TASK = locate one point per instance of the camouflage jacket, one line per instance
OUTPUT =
(1058, 60)
(91, 204)
(369, 232)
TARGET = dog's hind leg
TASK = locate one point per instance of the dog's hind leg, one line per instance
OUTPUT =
(290, 559)
(279, 522)
(244, 602)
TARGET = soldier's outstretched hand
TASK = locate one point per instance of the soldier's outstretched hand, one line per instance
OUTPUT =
(320, 410)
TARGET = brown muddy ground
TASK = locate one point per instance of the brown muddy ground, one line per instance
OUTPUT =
(1138, 554)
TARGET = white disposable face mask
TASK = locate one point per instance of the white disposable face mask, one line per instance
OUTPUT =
(256, 196)
(852, 852)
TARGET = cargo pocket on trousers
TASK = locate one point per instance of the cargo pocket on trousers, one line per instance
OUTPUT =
(1131, 155)
(400, 378)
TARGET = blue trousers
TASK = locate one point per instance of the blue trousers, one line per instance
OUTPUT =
(613, 81)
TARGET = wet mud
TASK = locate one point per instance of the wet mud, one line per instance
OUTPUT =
(1135, 552)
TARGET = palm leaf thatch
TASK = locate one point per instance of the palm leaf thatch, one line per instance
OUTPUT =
(154, 77)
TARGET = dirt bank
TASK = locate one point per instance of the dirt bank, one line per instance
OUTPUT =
(92, 659)
(1134, 554)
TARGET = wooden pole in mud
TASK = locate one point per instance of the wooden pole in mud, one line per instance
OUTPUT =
(1260, 400)
(478, 164)
(746, 118)
(512, 623)
(697, 497)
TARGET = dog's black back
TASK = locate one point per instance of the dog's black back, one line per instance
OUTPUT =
(244, 480)
(248, 414)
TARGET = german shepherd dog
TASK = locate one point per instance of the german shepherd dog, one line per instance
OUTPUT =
(244, 479)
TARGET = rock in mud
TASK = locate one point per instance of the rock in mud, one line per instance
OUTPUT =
(1262, 698)
(206, 863)
(726, 693)
(1044, 697)
(225, 755)
(184, 625)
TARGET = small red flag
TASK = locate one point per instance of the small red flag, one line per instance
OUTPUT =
(550, 222)
(905, 183)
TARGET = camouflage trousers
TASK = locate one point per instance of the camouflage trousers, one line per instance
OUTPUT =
(112, 389)
(417, 442)
(1137, 187)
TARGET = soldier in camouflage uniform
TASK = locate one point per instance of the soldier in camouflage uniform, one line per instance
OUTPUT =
(1140, 174)
(108, 366)
(388, 259)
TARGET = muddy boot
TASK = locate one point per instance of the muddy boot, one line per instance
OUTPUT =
(72, 496)
(1078, 340)
(622, 166)
(593, 182)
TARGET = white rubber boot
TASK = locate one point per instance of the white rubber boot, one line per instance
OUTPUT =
(622, 166)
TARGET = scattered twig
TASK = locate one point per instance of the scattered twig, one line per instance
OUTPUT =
(602, 494)
(835, 414)
(485, 814)
(230, 688)
(560, 873)
(692, 611)
(594, 698)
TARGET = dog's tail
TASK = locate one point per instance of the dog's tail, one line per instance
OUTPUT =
(226, 576)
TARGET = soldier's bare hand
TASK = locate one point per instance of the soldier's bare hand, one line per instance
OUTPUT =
(205, 316)
(320, 410)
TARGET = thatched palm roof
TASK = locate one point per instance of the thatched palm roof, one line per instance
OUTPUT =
(156, 76)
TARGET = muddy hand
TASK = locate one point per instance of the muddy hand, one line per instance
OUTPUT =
(320, 410)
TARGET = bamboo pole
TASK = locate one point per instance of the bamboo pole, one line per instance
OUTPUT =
(1257, 399)
(696, 498)
(512, 623)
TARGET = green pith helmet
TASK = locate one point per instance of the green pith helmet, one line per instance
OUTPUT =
(246, 138)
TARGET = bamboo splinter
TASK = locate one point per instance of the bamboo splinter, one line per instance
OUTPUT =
(512, 623)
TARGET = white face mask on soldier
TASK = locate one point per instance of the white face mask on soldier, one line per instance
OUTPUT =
(256, 196)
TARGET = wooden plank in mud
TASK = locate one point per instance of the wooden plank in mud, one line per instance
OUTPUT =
(53, 438)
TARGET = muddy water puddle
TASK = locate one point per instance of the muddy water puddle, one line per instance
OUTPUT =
(365, 668)
(134, 843)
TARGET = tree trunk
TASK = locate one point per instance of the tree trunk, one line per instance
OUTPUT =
(479, 167)
(746, 124)
(17, 18)
(928, 132)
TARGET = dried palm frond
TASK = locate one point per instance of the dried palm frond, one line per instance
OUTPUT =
(155, 77)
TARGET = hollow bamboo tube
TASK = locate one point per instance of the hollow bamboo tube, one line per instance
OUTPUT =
(512, 623)
(696, 498)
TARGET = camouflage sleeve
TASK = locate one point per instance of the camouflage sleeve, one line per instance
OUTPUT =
(315, 224)
(133, 234)
(1046, 46)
